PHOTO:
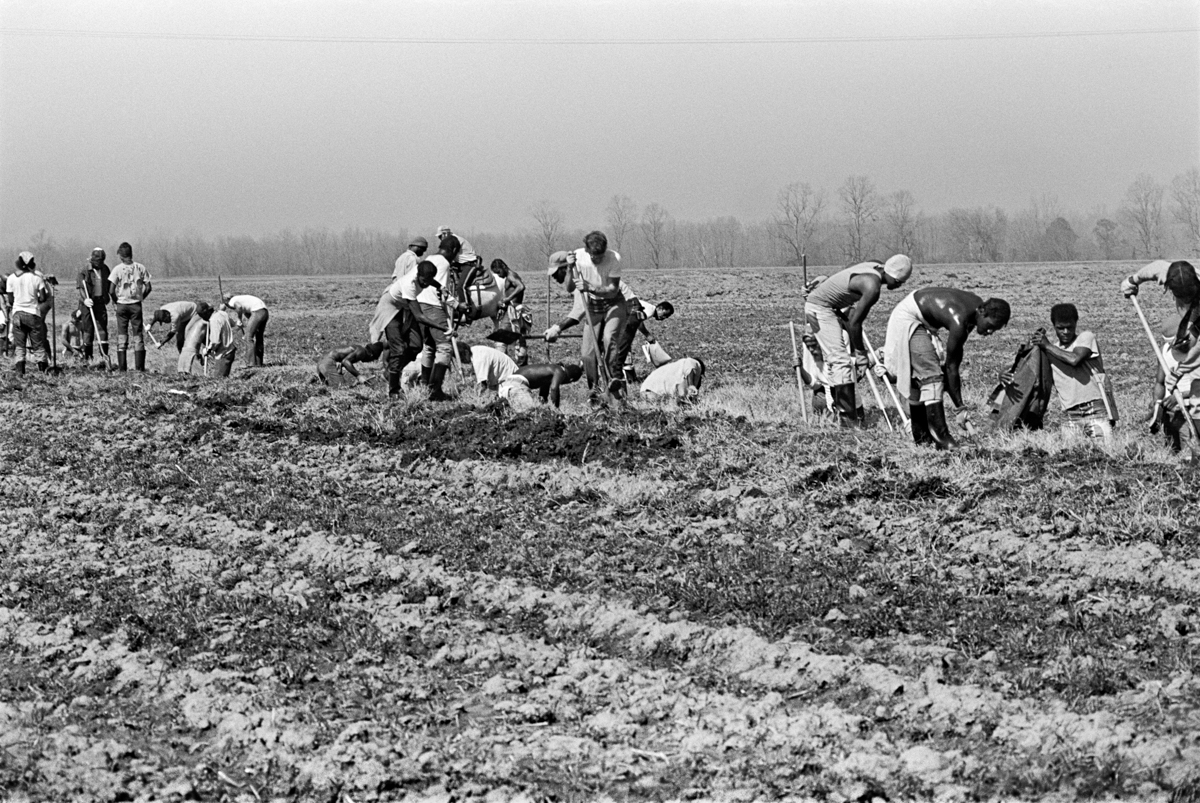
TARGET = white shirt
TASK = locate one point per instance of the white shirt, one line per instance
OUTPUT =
(430, 295)
(25, 289)
(491, 365)
(598, 275)
(407, 261)
(673, 379)
(246, 305)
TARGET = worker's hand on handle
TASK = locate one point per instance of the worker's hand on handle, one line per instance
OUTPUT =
(1129, 288)
(879, 370)
(87, 302)
(552, 333)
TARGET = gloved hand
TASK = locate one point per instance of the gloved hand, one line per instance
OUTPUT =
(879, 370)
(570, 257)
(552, 333)
(1128, 288)
(87, 302)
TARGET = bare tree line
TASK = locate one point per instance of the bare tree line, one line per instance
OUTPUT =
(856, 222)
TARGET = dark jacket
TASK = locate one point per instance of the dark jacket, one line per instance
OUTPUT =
(94, 284)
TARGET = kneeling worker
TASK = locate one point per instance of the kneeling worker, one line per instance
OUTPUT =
(336, 364)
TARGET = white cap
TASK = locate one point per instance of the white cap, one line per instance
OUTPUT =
(898, 267)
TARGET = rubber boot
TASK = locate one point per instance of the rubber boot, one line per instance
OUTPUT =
(43, 367)
(937, 426)
(426, 374)
(122, 364)
(845, 405)
(139, 361)
(436, 377)
(920, 425)
(20, 368)
(393, 378)
(87, 354)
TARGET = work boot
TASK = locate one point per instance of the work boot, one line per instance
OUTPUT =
(920, 425)
(845, 405)
(87, 354)
(43, 366)
(139, 361)
(20, 367)
(436, 377)
(393, 378)
(122, 364)
(426, 374)
(938, 429)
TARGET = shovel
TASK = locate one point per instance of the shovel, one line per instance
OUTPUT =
(506, 337)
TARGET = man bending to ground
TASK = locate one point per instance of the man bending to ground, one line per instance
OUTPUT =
(910, 354)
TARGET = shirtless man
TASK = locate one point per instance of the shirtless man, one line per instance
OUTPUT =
(512, 304)
(334, 366)
(842, 302)
(548, 378)
(911, 356)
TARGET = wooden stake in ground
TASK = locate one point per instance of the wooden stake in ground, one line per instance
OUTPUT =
(1162, 363)
(799, 373)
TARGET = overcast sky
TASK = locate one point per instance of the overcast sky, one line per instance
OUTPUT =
(142, 116)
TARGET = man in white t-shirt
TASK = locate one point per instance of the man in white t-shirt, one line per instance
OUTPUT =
(434, 299)
(252, 318)
(24, 291)
(130, 283)
(1077, 371)
(679, 379)
(491, 367)
(400, 321)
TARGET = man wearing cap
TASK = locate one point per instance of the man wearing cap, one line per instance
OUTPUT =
(400, 320)
(94, 286)
(842, 302)
(176, 315)
(25, 290)
(466, 252)
(409, 259)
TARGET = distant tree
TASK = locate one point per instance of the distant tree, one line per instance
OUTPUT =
(1108, 237)
(1142, 212)
(653, 225)
(976, 235)
(622, 215)
(798, 211)
(902, 219)
(1058, 243)
(860, 208)
(1185, 189)
(550, 226)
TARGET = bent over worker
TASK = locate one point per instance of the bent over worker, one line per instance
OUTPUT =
(842, 302)
(911, 355)
(400, 320)
(252, 318)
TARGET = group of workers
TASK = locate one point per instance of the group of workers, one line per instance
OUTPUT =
(419, 314)
(416, 324)
(203, 335)
(917, 367)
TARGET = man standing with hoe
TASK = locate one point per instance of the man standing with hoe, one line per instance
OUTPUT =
(855, 288)
(94, 286)
(911, 355)
(595, 272)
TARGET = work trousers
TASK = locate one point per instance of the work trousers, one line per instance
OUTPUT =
(221, 362)
(608, 331)
(29, 328)
(255, 327)
(831, 337)
(99, 331)
(189, 352)
(438, 350)
(404, 341)
(130, 327)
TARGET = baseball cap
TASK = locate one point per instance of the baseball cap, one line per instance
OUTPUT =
(419, 241)
(898, 267)
(557, 260)
(442, 231)
(26, 257)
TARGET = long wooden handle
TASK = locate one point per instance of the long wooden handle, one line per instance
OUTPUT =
(799, 373)
(886, 381)
(1162, 363)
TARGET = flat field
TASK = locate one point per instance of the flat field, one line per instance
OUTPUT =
(256, 589)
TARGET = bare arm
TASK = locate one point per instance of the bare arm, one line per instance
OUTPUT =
(954, 355)
(1072, 358)
(867, 287)
(556, 382)
(515, 287)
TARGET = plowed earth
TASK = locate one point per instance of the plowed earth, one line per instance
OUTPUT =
(258, 590)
